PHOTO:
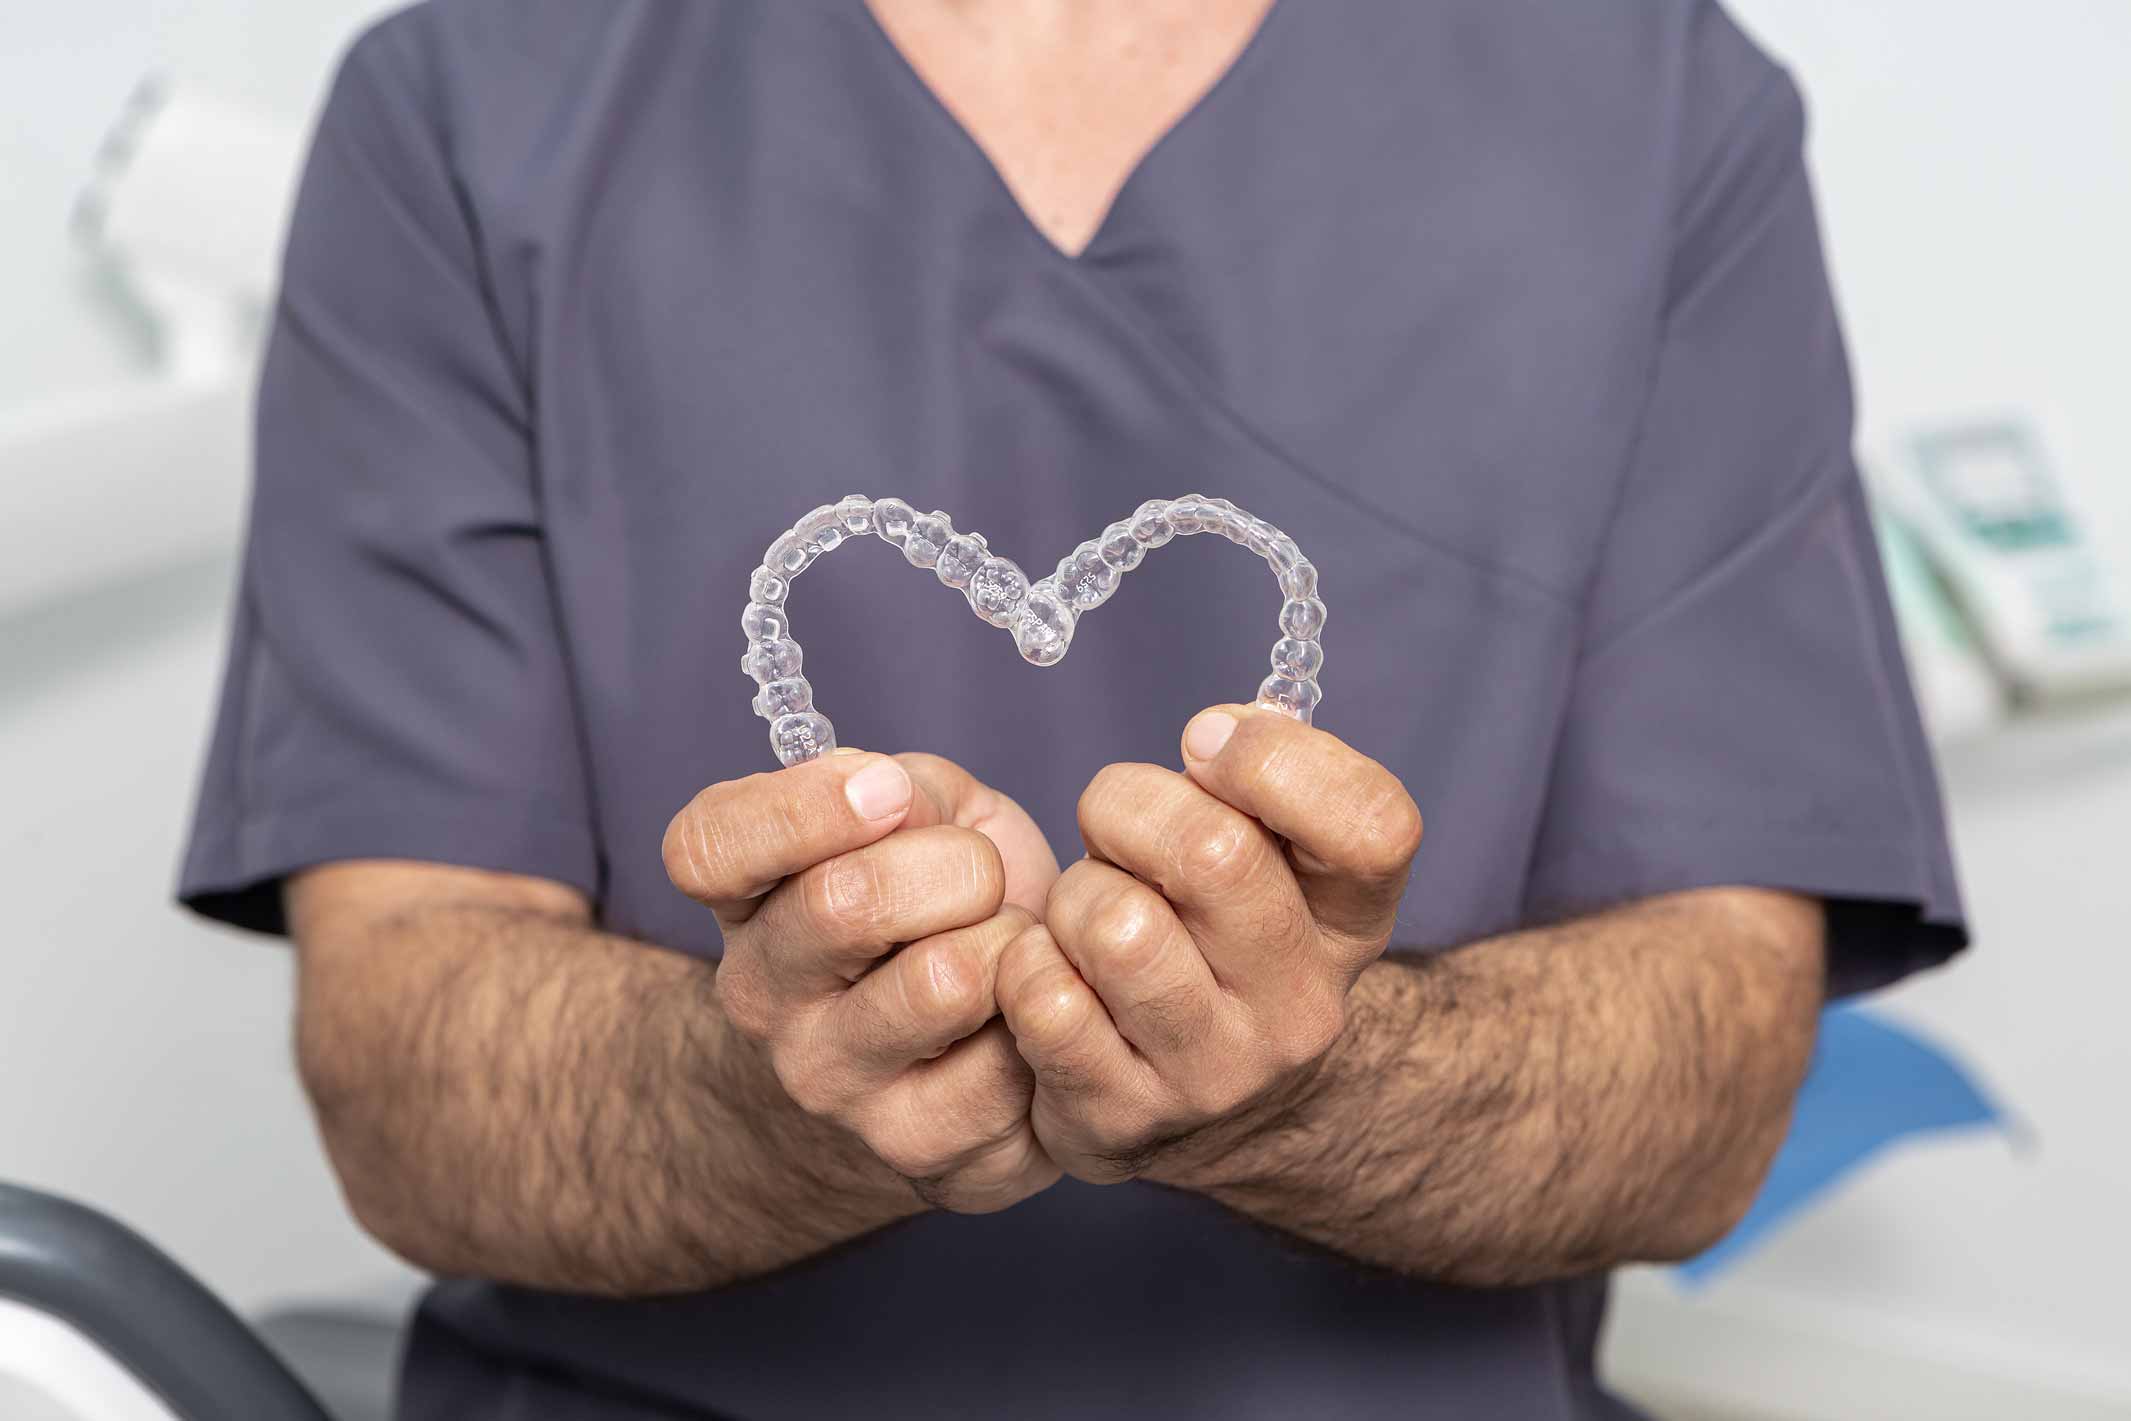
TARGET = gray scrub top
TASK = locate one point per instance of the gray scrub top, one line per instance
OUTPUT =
(1514, 315)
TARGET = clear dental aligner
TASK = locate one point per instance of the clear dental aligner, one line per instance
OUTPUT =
(1040, 615)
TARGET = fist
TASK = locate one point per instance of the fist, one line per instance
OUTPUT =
(1191, 972)
(866, 902)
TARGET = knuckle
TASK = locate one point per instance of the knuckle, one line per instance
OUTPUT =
(1101, 787)
(842, 899)
(806, 809)
(708, 845)
(1127, 927)
(978, 874)
(1047, 1008)
(1010, 922)
(1114, 785)
(952, 873)
(947, 985)
(1044, 1010)
(1070, 892)
(1260, 751)
(1021, 960)
(1219, 851)
(690, 851)
(1389, 835)
(676, 854)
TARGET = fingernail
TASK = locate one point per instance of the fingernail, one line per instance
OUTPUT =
(878, 790)
(1207, 733)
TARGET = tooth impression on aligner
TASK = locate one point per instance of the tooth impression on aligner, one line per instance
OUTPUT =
(998, 591)
(1041, 616)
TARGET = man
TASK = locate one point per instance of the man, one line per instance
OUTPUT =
(1513, 316)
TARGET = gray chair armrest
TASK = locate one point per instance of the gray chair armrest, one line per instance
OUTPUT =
(152, 1317)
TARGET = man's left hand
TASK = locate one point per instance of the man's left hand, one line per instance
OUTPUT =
(1192, 971)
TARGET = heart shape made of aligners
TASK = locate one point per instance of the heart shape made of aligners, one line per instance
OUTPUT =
(1040, 615)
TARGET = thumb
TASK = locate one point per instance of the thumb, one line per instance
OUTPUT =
(946, 790)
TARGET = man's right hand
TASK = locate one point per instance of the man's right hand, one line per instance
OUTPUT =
(863, 959)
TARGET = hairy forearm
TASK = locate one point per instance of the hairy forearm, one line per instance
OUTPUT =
(513, 1095)
(1551, 1102)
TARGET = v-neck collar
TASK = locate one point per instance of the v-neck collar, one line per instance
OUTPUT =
(927, 98)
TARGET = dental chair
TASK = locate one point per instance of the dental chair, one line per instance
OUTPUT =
(97, 1324)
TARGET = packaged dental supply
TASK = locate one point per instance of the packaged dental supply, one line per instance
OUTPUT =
(2006, 537)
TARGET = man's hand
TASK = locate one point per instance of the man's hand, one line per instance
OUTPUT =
(866, 902)
(1193, 970)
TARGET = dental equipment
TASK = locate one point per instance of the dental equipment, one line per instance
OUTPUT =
(1041, 616)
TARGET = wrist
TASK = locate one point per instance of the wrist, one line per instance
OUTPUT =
(1281, 1143)
(807, 1165)
(1256, 1148)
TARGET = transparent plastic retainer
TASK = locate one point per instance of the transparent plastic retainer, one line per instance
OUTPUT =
(1040, 615)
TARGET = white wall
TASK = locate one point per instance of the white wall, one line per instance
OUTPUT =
(65, 71)
(1975, 165)
(146, 1064)
(143, 1057)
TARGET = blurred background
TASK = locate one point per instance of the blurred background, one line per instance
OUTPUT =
(1974, 166)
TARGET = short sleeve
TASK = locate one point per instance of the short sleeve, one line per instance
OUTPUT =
(396, 684)
(1740, 712)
